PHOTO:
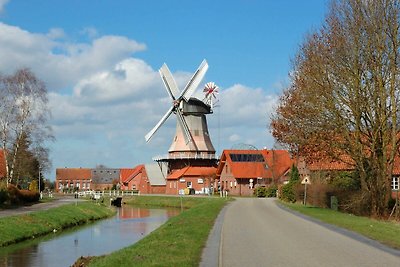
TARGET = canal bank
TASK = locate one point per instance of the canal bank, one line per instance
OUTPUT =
(32, 224)
(178, 242)
(61, 249)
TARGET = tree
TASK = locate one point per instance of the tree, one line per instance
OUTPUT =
(23, 111)
(344, 94)
(288, 190)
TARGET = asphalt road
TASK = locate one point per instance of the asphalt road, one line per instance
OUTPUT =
(257, 232)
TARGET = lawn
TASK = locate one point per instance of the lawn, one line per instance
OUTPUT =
(386, 232)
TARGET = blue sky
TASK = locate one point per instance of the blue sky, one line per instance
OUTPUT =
(99, 60)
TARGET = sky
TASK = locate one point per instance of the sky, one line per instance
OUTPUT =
(100, 61)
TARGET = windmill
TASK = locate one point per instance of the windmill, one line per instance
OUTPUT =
(191, 144)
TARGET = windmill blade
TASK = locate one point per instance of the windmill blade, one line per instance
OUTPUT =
(169, 81)
(195, 81)
(150, 134)
(184, 127)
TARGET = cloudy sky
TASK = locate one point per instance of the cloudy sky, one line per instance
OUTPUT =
(100, 61)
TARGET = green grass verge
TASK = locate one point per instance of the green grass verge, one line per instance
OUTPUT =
(178, 242)
(386, 232)
(14, 229)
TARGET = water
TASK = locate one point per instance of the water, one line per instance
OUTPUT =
(129, 226)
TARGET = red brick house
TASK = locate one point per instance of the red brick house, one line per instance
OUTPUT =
(240, 171)
(147, 179)
(127, 181)
(72, 178)
(190, 177)
(345, 163)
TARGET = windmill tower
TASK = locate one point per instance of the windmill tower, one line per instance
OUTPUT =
(191, 145)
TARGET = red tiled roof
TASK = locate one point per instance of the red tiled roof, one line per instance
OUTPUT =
(73, 173)
(192, 171)
(3, 171)
(396, 166)
(343, 163)
(279, 162)
(126, 175)
(274, 164)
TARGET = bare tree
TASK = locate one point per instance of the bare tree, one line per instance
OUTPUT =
(23, 110)
(344, 96)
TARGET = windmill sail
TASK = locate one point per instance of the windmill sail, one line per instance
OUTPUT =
(150, 134)
(169, 82)
(195, 81)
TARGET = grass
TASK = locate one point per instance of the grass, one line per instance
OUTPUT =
(386, 232)
(14, 229)
(178, 242)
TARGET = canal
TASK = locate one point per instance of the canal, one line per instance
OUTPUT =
(62, 249)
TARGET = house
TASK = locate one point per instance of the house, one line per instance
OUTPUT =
(126, 179)
(104, 178)
(240, 171)
(73, 178)
(146, 178)
(191, 177)
(346, 164)
(3, 171)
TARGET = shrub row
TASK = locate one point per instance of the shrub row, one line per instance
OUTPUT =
(17, 196)
(266, 191)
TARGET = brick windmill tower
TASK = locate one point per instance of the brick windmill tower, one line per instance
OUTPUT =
(191, 145)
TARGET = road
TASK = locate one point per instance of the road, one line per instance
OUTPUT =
(257, 232)
(63, 200)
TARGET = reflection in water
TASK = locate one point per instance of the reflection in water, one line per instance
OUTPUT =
(129, 226)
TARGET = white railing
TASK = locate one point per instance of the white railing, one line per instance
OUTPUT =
(110, 193)
(184, 156)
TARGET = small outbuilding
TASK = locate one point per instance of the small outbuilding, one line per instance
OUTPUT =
(193, 179)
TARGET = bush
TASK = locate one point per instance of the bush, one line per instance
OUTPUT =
(17, 196)
(287, 192)
(260, 192)
(27, 196)
(3, 195)
(271, 191)
(13, 194)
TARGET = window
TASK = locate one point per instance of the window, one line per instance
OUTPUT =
(395, 183)
(189, 184)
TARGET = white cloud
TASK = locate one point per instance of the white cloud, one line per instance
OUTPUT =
(56, 33)
(60, 63)
(2, 5)
(90, 32)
